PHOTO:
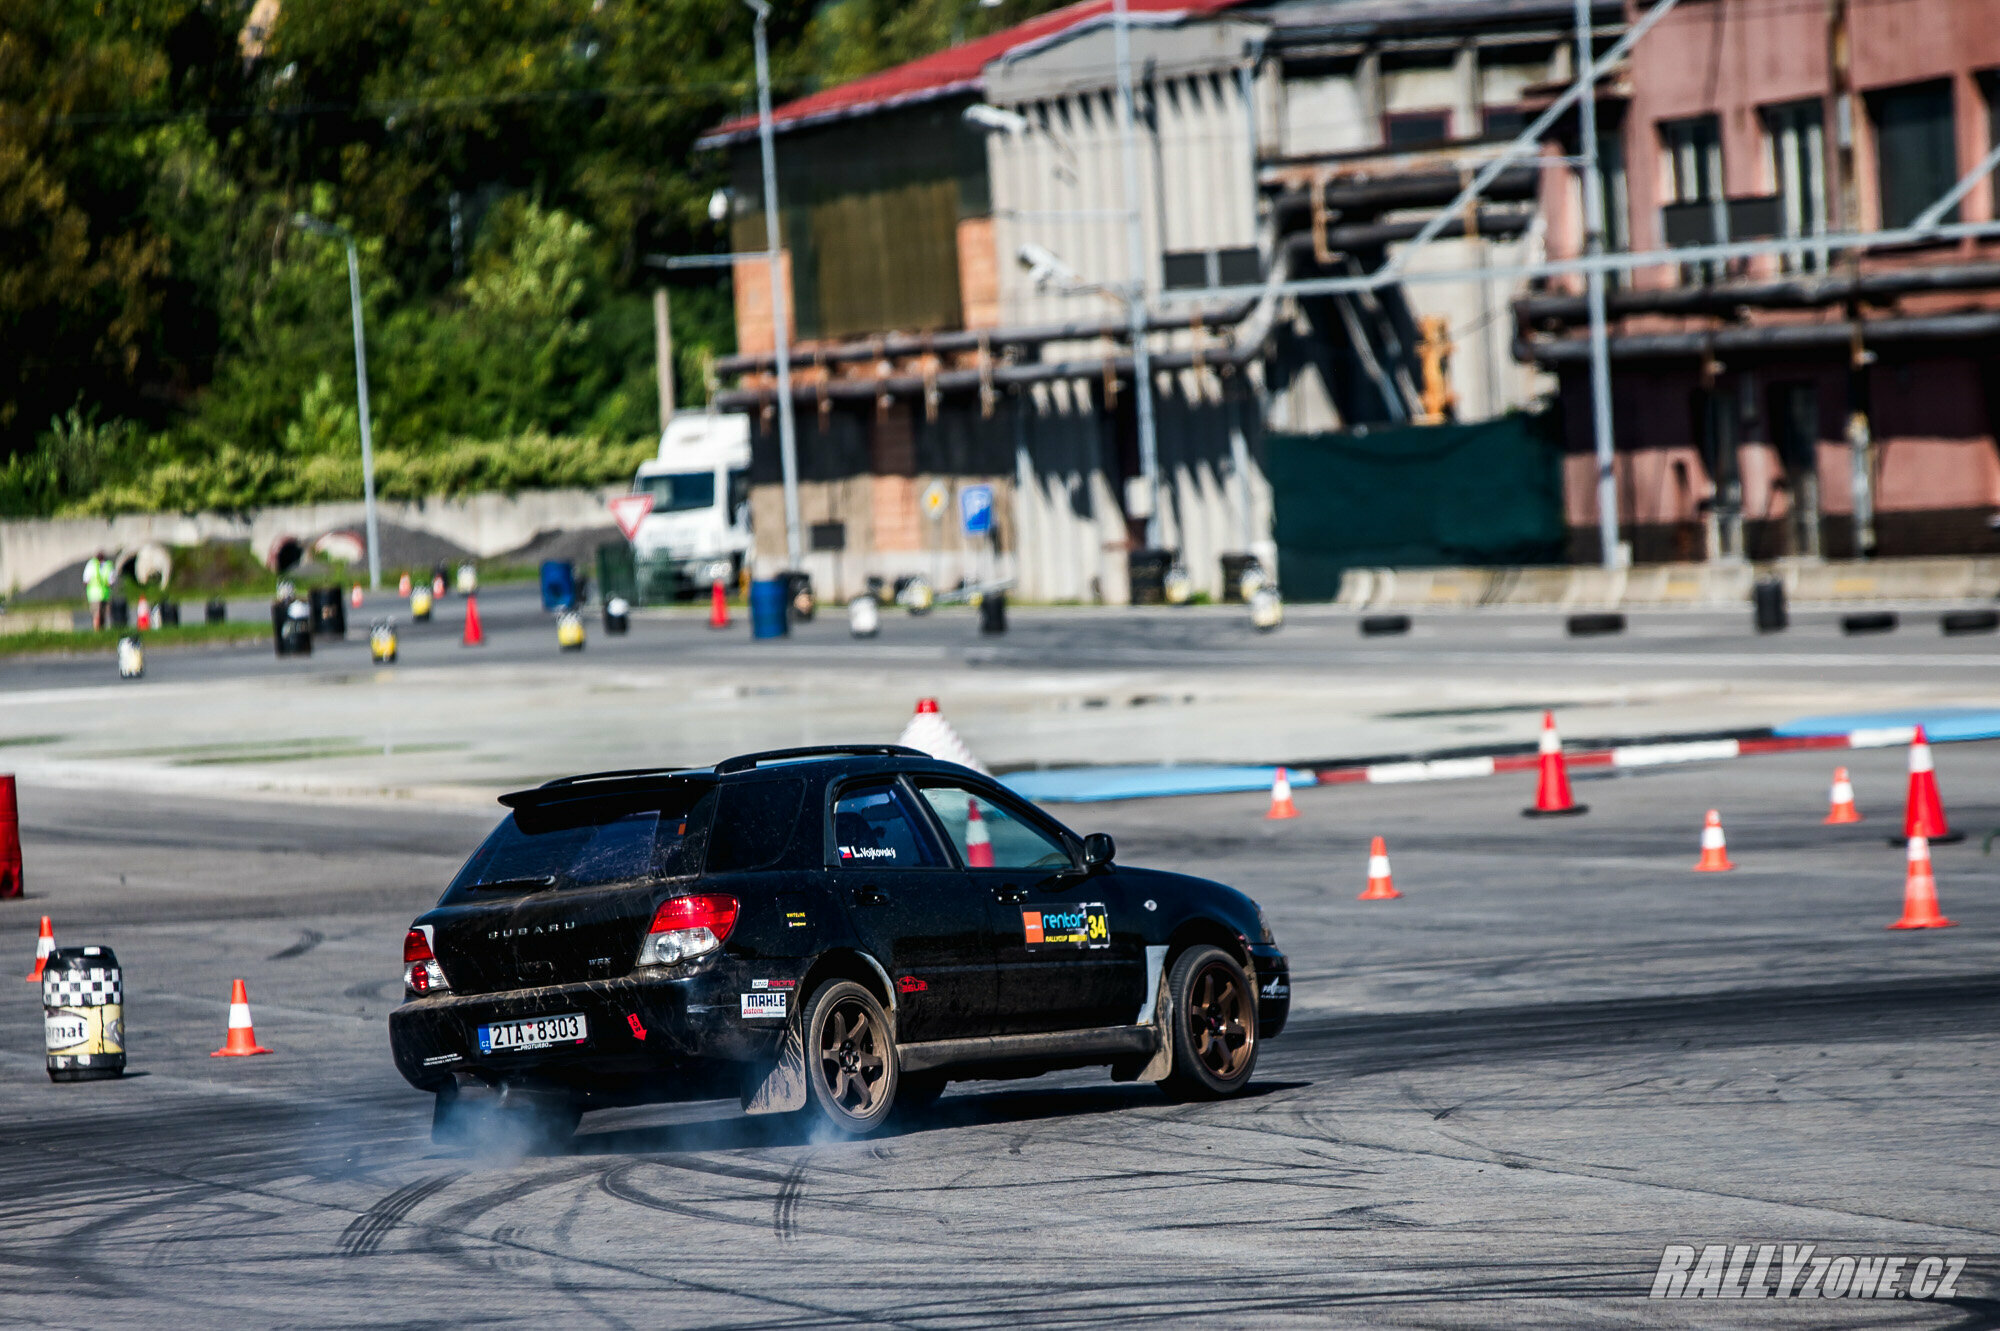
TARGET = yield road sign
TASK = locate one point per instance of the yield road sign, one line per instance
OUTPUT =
(628, 511)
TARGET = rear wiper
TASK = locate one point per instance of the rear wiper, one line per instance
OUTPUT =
(507, 884)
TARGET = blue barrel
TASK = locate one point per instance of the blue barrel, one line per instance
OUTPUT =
(767, 609)
(558, 584)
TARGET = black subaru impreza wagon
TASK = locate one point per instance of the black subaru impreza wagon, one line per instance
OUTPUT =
(834, 932)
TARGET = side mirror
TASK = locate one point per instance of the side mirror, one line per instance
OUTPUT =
(1098, 848)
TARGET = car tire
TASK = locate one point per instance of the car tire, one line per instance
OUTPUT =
(851, 1073)
(1213, 1025)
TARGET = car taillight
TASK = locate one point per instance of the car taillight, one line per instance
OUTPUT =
(687, 927)
(421, 972)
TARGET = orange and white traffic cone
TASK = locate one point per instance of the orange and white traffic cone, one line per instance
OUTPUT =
(403, 587)
(475, 636)
(1281, 796)
(1843, 810)
(143, 616)
(45, 947)
(718, 606)
(242, 1041)
(1923, 811)
(1381, 886)
(1714, 851)
(1552, 797)
(1920, 903)
(978, 845)
(437, 586)
(354, 597)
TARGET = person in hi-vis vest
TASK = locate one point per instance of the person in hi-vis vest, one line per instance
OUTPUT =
(97, 576)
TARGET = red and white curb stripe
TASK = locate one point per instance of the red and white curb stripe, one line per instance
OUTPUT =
(1627, 755)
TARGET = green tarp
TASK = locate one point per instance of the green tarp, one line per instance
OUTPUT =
(1415, 496)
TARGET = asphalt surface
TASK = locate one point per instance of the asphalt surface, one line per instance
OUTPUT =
(1501, 1096)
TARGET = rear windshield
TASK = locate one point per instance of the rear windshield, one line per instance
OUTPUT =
(590, 846)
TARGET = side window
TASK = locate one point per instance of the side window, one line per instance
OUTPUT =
(988, 837)
(753, 824)
(872, 829)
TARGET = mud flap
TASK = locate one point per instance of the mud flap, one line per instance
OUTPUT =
(1161, 1011)
(776, 1083)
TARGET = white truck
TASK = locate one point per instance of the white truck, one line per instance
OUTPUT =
(699, 529)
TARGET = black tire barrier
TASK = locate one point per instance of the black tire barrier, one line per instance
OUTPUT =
(1591, 626)
(1955, 622)
(169, 616)
(1874, 621)
(216, 611)
(1383, 626)
(1769, 597)
(993, 613)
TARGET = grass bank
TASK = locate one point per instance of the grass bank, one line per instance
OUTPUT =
(105, 643)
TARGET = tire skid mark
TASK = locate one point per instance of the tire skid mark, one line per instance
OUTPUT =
(785, 1207)
(372, 1226)
(308, 940)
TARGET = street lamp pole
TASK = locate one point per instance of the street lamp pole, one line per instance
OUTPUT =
(306, 222)
(1135, 305)
(788, 447)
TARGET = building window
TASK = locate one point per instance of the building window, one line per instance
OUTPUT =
(1502, 122)
(1916, 153)
(1796, 139)
(1989, 85)
(1416, 129)
(1691, 152)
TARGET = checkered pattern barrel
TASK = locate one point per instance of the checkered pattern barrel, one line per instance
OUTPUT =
(83, 1014)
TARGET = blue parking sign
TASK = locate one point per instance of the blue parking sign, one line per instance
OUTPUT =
(975, 508)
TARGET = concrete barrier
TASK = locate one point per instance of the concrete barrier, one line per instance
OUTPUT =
(1588, 587)
(486, 524)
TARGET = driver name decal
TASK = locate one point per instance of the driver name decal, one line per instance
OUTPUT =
(1083, 925)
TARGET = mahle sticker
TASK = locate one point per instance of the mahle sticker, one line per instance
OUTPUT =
(1083, 925)
(766, 1003)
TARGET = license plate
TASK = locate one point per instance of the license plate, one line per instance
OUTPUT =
(505, 1037)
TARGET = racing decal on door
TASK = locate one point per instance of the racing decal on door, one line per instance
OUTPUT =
(1086, 925)
(765, 1003)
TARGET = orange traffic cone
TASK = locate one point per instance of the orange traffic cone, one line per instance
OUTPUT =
(1714, 852)
(1923, 812)
(718, 606)
(45, 947)
(437, 586)
(474, 635)
(1552, 797)
(354, 597)
(403, 587)
(1920, 903)
(1281, 796)
(1843, 810)
(1381, 887)
(242, 1041)
(978, 845)
(143, 616)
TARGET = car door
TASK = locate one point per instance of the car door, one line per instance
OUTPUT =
(1069, 953)
(912, 910)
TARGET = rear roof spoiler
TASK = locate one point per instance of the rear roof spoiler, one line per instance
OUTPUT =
(597, 785)
(750, 761)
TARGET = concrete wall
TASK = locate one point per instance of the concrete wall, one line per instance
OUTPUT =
(1056, 456)
(485, 524)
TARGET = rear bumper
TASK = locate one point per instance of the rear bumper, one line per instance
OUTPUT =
(685, 1025)
(1274, 990)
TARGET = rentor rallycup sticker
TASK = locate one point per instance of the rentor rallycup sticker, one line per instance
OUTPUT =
(1086, 924)
(765, 1003)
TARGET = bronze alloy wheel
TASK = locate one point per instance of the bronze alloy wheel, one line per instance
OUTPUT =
(1221, 1020)
(1213, 1022)
(854, 1080)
